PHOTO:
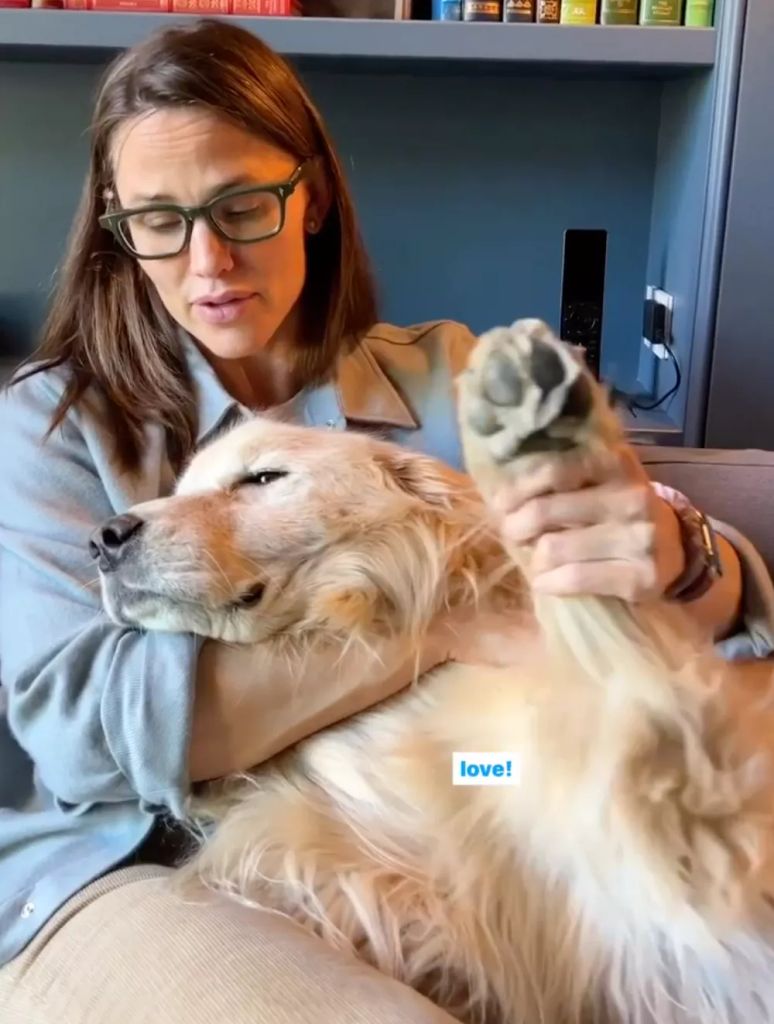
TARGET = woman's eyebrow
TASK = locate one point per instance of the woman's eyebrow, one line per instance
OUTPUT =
(143, 198)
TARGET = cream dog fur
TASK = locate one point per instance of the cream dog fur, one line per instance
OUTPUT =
(625, 875)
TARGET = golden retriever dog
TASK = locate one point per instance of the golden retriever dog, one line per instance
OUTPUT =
(620, 869)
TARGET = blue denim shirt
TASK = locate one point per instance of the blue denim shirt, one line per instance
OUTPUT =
(95, 718)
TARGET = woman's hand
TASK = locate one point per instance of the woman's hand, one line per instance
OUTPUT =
(596, 526)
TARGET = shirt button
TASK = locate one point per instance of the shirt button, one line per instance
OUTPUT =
(28, 909)
(330, 423)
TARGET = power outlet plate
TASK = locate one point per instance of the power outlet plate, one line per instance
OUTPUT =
(667, 302)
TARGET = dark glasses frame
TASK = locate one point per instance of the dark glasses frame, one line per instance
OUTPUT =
(113, 220)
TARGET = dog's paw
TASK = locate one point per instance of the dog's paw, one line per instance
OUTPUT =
(524, 396)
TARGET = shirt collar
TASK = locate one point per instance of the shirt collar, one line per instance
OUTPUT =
(361, 392)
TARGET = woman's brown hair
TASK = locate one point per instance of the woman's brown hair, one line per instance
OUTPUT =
(104, 323)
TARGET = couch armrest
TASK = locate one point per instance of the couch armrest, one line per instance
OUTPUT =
(734, 486)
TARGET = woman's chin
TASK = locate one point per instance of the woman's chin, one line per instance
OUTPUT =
(235, 340)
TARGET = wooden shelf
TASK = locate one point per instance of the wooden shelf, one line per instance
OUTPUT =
(78, 36)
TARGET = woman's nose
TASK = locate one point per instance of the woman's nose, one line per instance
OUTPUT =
(208, 254)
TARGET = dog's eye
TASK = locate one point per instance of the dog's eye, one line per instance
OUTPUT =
(251, 597)
(263, 477)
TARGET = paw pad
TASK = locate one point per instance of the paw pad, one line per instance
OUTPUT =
(526, 392)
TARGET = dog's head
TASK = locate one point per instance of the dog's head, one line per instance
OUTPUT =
(281, 528)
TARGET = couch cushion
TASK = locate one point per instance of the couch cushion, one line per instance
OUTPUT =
(734, 486)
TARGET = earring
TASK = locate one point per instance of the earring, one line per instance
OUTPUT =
(311, 225)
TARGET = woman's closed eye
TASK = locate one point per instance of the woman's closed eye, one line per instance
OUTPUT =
(159, 221)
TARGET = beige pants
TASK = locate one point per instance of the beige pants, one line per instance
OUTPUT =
(127, 951)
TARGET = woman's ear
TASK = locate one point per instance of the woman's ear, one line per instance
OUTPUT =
(319, 198)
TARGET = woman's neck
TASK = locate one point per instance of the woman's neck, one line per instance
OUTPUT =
(261, 381)
(268, 377)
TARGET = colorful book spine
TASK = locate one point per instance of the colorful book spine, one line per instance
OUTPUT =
(519, 10)
(447, 10)
(548, 12)
(660, 12)
(259, 8)
(263, 8)
(482, 10)
(201, 7)
(578, 12)
(14, 3)
(699, 13)
(148, 6)
(618, 12)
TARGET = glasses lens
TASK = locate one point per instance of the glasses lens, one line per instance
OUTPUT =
(248, 217)
(154, 232)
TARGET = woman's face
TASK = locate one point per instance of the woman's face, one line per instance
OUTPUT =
(234, 299)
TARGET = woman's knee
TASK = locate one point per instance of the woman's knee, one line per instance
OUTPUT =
(140, 953)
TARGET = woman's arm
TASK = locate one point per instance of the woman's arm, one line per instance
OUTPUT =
(251, 702)
(110, 714)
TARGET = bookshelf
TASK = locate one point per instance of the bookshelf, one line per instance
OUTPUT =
(537, 128)
(75, 35)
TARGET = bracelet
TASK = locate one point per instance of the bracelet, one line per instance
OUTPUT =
(702, 557)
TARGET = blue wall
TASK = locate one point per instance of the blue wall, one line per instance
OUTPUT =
(464, 185)
(677, 224)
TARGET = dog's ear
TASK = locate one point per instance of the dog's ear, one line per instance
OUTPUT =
(422, 477)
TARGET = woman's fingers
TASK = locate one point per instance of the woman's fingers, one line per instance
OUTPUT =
(619, 542)
(606, 503)
(630, 581)
(561, 475)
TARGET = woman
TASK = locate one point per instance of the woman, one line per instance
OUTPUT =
(215, 265)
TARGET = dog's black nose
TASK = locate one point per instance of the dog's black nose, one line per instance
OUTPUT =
(107, 541)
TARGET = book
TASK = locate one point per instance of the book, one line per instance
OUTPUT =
(578, 12)
(393, 10)
(447, 10)
(263, 8)
(699, 13)
(547, 12)
(201, 7)
(14, 3)
(149, 6)
(618, 12)
(260, 8)
(482, 10)
(519, 10)
(660, 12)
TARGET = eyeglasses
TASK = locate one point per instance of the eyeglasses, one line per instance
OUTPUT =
(245, 215)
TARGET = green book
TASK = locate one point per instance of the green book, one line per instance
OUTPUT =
(661, 12)
(699, 13)
(618, 12)
(579, 12)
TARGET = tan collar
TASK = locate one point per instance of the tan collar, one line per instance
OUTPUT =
(367, 394)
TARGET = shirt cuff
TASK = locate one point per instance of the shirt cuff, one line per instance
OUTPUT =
(755, 637)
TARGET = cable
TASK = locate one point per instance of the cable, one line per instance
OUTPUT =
(634, 404)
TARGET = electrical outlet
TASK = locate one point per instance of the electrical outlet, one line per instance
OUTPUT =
(657, 321)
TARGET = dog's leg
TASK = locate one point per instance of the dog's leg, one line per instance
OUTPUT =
(660, 797)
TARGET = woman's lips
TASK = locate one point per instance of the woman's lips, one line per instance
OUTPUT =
(223, 311)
